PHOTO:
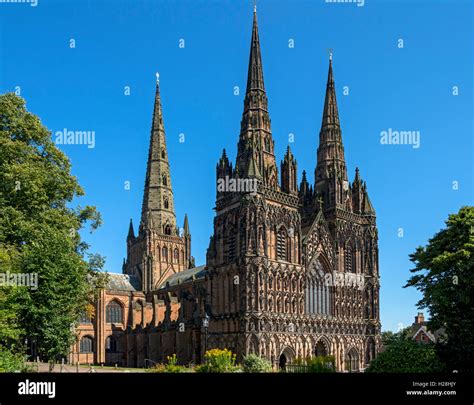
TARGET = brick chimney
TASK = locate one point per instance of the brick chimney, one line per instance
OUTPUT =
(420, 318)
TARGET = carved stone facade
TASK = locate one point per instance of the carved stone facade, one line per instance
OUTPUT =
(291, 271)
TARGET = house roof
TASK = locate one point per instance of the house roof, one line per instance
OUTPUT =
(424, 329)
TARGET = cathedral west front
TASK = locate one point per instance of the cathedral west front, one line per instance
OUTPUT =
(291, 269)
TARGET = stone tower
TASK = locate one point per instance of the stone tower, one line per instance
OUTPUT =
(256, 247)
(159, 250)
(345, 209)
(255, 150)
(292, 271)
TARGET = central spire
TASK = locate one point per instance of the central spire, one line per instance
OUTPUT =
(158, 206)
(331, 159)
(255, 156)
(255, 72)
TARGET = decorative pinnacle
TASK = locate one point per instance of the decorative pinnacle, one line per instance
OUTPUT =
(157, 78)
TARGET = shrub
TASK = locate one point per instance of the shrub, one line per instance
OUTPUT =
(11, 362)
(170, 367)
(317, 364)
(255, 364)
(321, 364)
(218, 361)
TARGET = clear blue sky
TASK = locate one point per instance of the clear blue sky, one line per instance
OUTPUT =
(123, 43)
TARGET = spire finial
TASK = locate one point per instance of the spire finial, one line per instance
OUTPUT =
(255, 6)
(157, 78)
(330, 53)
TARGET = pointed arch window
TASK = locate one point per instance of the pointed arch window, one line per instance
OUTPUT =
(166, 203)
(267, 144)
(318, 292)
(163, 153)
(86, 344)
(231, 246)
(111, 345)
(86, 317)
(167, 230)
(176, 256)
(282, 245)
(164, 253)
(164, 181)
(114, 312)
(349, 259)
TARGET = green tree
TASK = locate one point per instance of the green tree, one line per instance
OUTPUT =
(404, 355)
(444, 274)
(39, 234)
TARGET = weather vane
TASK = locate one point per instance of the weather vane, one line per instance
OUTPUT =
(157, 78)
(330, 53)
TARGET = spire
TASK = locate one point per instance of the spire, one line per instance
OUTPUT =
(330, 114)
(255, 141)
(158, 206)
(367, 207)
(304, 186)
(255, 72)
(357, 176)
(131, 232)
(288, 173)
(186, 225)
(331, 161)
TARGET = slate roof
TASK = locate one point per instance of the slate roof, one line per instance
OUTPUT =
(123, 282)
(196, 273)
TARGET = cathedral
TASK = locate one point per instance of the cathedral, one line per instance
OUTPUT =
(291, 269)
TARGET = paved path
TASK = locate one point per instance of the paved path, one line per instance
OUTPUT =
(68, 368)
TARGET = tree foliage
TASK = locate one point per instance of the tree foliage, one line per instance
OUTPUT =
(39, 234)
(444, 274)
(402, 354)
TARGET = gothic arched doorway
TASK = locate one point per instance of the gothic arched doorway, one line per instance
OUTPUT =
(320, 349)
(282, 362)
(286, 357)
(352, 361)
